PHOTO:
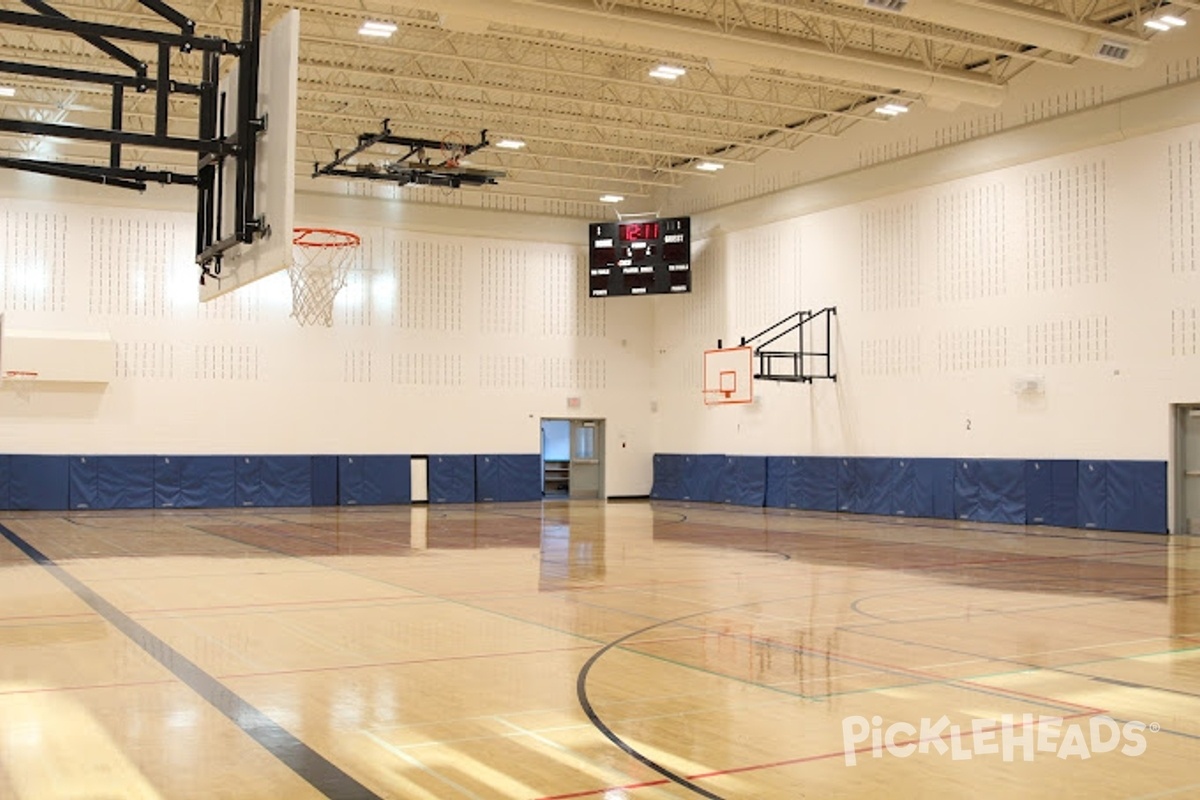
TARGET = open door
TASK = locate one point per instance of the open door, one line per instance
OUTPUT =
(587, 459)
(1187, 469)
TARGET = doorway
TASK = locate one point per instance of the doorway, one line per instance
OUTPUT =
(1187, 469)
(573, 458)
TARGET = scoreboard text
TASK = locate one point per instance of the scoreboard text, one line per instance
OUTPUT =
(649, 257)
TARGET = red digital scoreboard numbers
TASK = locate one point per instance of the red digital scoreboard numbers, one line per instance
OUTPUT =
(645, 257)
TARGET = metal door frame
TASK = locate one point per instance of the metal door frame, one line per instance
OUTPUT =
(602, 424)
(1178, 475)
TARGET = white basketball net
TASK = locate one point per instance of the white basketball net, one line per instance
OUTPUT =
(321, 260)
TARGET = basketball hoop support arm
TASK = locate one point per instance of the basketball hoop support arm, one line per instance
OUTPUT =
(210, 148)
(405, 170)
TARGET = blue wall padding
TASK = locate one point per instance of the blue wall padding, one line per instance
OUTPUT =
(195, 482)
(1064, 509)
(782, 478)
(935, 485)
(668, 477)
(487, 479)
(108, 482)
(1039, 492)
(743, 481)
(818, 483)
(375, 480)
(325, 480)
(5, 475)
(850, 486)
(966, 490)
(911, 496)
(520, 477)
(39, 483)
(451, 479)
(990, 490)
(1137, 496)
(274, 481)
(701, 477)
(1093, 494)
(1051, 492)
(879, 482)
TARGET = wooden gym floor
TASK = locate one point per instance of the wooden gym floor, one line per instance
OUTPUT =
(583, 650)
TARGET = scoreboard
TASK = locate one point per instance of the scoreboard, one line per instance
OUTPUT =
(646, 257)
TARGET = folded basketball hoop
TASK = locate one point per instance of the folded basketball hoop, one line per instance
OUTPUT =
(23, 382)
(321, 260)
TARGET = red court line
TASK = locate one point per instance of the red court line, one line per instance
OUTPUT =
(82, 614)
(436, 659)
(868, 663)
(243, 606)
(969, 733)
(86, 688)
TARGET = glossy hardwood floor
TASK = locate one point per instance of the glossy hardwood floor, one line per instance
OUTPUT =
(627, 650)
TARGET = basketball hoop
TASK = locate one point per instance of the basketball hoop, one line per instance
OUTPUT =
(321, 259)
(21, 381)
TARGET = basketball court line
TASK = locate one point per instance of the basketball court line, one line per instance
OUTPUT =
(933, 679)
(919, 523)
(966, 734)
(488, 610)
(305, 762)
(686, 782)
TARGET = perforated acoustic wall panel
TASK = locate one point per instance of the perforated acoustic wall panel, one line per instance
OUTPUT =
(1066, 220)
(132, 259)
(502, 292)
(429, 282)
(1185, 332)
(971, 244)
(1084, 340)
(1183, 160)
(890, 258)
(566, 309)
(146, 360)
(33, 259)
(428, 369)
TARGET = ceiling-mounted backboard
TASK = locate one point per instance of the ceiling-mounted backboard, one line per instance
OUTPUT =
(275, 173)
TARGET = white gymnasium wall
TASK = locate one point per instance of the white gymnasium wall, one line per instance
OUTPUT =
(441, 343)
(1080, 270)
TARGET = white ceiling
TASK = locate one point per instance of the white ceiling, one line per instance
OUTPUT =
(571, 78)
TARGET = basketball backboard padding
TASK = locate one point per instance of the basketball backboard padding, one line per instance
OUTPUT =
(727, 376)
(275, 176)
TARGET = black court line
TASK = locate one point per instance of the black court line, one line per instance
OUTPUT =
(307, 763)
(586, 704)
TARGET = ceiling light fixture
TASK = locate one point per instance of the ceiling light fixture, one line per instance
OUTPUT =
(510, 144)
(381, 29)
(892, 110)
(1157, 25)
(7, 91)
(611, 198)
(667, 73)
(1174, 22)
(710, 166)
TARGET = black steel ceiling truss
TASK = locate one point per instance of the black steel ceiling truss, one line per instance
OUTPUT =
(428, 162)
(212, 144)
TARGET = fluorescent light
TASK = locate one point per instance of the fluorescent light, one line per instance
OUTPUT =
(611, 198)
(7, 91)
(892, 110)
(667, 73)
(381, 29)
(709, 166)
(1174, 22)
(1157, 25)
(510, 144)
